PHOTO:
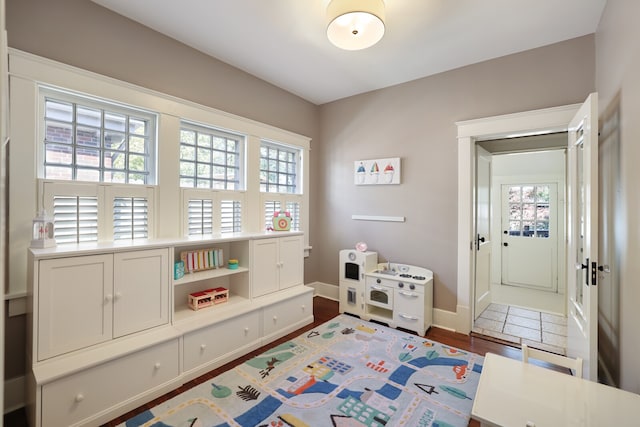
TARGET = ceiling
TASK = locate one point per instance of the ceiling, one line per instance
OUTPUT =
(284, 41)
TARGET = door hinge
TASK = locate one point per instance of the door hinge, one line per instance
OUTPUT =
(594, 273)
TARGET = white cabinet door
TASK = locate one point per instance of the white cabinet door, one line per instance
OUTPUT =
(277, 263)
(74, 303)
(264, 267)
(291, 261)
(141, 291)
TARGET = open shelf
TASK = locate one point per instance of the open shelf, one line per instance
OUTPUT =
(208, 274)
(380, 314)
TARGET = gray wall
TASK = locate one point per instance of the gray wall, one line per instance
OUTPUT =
(416, 121)
(88, 36)
(618, 82)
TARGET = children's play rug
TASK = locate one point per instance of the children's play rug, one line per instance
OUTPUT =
(346, 372)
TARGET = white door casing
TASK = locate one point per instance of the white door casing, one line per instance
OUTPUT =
(555, 119)
(582, 322)
(483, 234)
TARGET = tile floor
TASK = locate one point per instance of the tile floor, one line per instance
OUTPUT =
(518, 325)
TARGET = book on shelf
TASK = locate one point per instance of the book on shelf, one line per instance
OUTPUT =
(202, 259)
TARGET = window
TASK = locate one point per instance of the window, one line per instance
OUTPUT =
(209, 212)
(130, 218)
(75, 219)
(279, 168)
(273, 206)
(230, 216)
(200, 216)
(211, 158)
(529, 210)
(93, 140)
(88, 212)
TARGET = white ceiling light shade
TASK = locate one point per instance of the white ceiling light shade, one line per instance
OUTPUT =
(355, 24)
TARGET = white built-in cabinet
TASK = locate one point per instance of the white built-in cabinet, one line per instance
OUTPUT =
(110, 328)
(87, 300)
(275, 264)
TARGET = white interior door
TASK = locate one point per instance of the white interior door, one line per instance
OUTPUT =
(483, 231)
(530, 235)
(582, 307)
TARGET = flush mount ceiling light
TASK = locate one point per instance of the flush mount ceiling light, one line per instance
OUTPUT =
(355, 24)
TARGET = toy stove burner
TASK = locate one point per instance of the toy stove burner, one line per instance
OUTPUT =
(405, 275)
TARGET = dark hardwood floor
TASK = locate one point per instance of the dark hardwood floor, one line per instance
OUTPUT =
(323, 310)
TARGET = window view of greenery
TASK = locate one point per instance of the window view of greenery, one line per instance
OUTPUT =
(278, 168)
(91, 144)
(210, 159)
(529, 210)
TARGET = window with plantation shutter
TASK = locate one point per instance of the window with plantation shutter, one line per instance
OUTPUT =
(273, 206)
(200, 216)
(75, 219)
(130, 218)
(230, 216)
(294, 211)
(270, 208)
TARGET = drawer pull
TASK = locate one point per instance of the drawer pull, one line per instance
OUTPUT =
(157, 365)
(246, 331)
(406, 316)
(409, 294)
(275, 318)
(203, 347)
(304, 307)
(79, 397)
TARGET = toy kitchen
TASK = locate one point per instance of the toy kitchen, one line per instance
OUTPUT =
(399, 295)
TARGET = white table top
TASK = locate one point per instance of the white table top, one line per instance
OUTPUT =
(516, 394)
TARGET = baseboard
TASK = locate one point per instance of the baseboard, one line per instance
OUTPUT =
(14, 394)
(446, 320)
(325, 290)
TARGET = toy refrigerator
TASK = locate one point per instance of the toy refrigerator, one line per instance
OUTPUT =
(353, 266)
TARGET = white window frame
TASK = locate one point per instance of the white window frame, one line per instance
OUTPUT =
(215, 132)
(48, 92)
(297, 151)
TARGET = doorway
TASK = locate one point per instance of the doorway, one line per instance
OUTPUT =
(527, 299)
(506, 127)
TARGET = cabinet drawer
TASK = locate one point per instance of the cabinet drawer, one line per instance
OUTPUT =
(408, 311)
(74, 398)
(210, 343)
(286, 313)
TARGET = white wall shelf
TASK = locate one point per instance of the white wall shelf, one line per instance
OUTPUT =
(378, 218)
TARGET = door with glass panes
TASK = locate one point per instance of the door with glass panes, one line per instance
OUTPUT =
(530, 235)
